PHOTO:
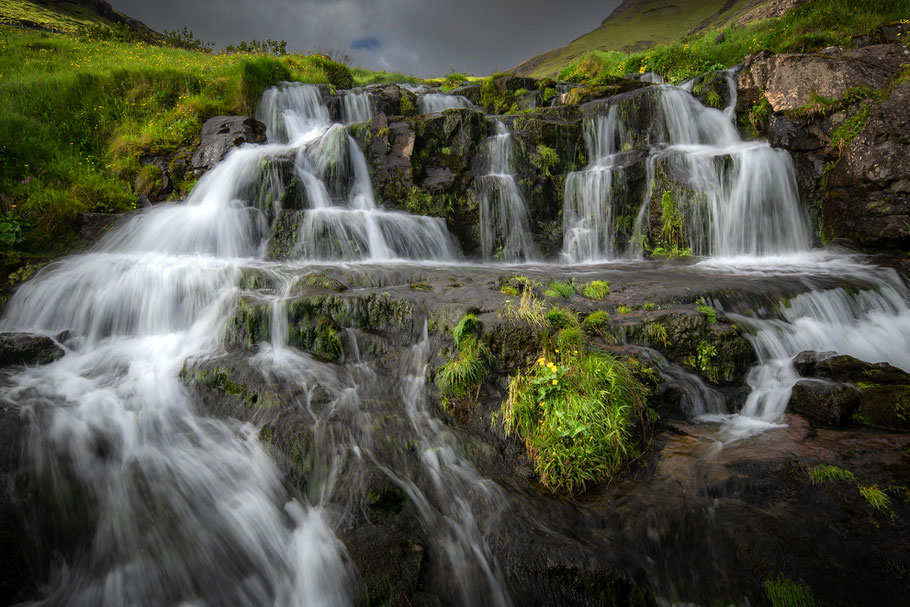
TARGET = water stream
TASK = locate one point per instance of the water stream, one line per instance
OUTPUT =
(176, 506)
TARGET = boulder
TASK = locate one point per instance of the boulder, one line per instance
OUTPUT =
(828, 402)
(221, 134)
(92, 226)
(845, 368)
(789, 80)
(867, 202)
(885, 407)
(27, 349)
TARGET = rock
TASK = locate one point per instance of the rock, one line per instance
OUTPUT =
(885, 407)
(845, 368)
(92, 226)
(27, 349)
(789, 80)
(804, 362)
(867, 202)
(221, 134)
(583, 94)
(712, 89)
(831, 403)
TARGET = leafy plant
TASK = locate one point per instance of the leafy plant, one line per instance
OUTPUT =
(708, 312)
(462, 376)
(656, 333)
(623, 310)
(560, 289)
(597, 323)
(12, 229)
(574, 411)
(821, 474)
(878, 499)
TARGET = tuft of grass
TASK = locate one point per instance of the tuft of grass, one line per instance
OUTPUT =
(784, 592)
(878, 499)
(709, 313)
(468, 327)
(561, 318)
(462, 376)
(623, 310)
(822, 474)
(560, 289)
(597, 323)
(596, 289)
(575, 411)
(656, 334)
(850, 130)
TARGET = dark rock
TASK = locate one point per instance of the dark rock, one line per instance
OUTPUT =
(92, 226)
(795, 135)
(805, 362)
(221, 134)
(27, 349)
(845, 368)
(827, 402)
(712, 89)
(471, 92)
(885, 407)
(584, 94)
(15, 574)
(868, 198)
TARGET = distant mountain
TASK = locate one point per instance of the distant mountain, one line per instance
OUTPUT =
(640, 24)
(68, 15)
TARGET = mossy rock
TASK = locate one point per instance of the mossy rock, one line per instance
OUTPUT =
(317, 281)
(712, 90)
(254, 279)
(583, 94)
(886, 407)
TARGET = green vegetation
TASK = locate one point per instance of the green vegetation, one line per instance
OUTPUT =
(671, 230)
(560, 289)
(575, 411)
(623, 310)
(596, 289)
(811, 26)
(82, 111)
(549, 159)
(708, 312)
(656, 334)
(878, 499)
(822, 474)
(462, 376)
(783, 592)
(850, 130)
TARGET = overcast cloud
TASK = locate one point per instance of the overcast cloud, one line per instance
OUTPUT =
(420, 37)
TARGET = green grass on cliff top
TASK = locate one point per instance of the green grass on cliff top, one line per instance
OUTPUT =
(812, 26)
(80, 110)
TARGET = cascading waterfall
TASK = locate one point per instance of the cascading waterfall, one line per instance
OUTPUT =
(356, 107)
(737, 198)
(439, 102)
(504, 219)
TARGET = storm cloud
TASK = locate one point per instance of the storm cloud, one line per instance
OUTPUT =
(420, 37)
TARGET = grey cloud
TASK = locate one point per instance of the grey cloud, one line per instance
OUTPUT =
(421, 37)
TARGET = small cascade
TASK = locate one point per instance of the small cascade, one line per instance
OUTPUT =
(709, 192)
(439, 102)
(871, 324)
(356, 107)
(504, 219)
(291, 112)
(588, 208)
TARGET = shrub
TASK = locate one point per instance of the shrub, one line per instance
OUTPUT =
(575, 411)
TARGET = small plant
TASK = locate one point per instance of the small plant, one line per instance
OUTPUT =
(530, 309)
(708, 312)
(468, 328)
(549, 159)
(656, 334)
(462, 376)
(712, 99)
(574, 412)
(849, 130)
(597, 323)
(705, 354)
(783, 592)
(12, 229)
(596, 289)
(821, 474)
(560, 289)
(623, 310)
(878, 499)
(561, 318)
(649, 306)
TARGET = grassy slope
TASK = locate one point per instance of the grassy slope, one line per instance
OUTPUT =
(637, 26)
(81, 110)
(813, 25)
(53, 14)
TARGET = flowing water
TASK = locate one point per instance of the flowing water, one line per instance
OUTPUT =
(171, 505)
(439, 102)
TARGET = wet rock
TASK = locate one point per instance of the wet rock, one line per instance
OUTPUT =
(804, 363)
(92, 226)
(831, 403)
(584, 94)
(221, 134)
(845, 368)
(886, 407)
(15, 575)
(712, 89)
(789, 80)
(27, 349)
(868, 198)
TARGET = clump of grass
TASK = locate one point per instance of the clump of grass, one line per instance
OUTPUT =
(529, 309)
(596, 289)
(822, 474)
(878, 499)
(597, 323)
(560, 289)
(575, 412)
(656, 334)
(623, 310)
(561, 318)
(850, 130)
(784, 592)
(462, 376)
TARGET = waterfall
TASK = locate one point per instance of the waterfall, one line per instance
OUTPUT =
(438, 102)
(732, 197)
(504, 216)
(356, 107)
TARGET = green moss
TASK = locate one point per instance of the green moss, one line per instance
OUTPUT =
(318, 280)
(708, 312)
(671, 230)
(407, 107)
(462, 376)
(549, 159)
(850, 130)
(574, 411)
(596, 289)
(149, 181)
(784, 592)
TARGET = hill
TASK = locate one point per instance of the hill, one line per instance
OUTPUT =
(69, 16)
(637, 25)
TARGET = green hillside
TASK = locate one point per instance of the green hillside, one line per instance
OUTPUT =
(641, 24)
(66, 16)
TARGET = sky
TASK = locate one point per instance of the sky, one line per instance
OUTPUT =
(419, 37)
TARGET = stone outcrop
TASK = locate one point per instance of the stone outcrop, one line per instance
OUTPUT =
(27, 349)
(221, 134)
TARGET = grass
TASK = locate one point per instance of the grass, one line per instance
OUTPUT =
(462, 376)
(597, 323)
(811, 26)
(596, 289)
(81, 111)
(575, 411)
(878, 500)
(560, 289)
(784, 592)
(823, 474)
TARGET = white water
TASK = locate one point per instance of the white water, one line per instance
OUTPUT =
(504, 218)
(744, 198)
(439, 102)
(356, 107)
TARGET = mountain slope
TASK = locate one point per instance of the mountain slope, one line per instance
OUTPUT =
(67, 15)
(636, 25)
